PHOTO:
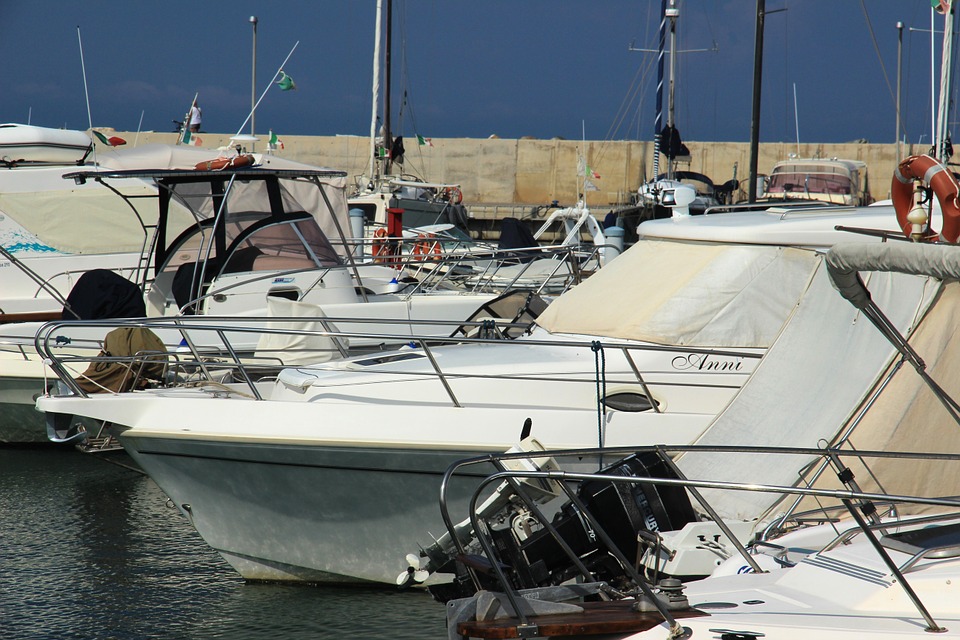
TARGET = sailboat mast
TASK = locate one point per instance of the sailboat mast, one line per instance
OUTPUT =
(946, 75)
(658, 120)
(672, 13)
(376, 94)
(755, 117)
(388, 47)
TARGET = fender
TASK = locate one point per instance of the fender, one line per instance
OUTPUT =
(931, 172)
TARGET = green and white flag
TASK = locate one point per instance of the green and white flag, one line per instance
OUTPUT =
(275, 142)
(285, 82)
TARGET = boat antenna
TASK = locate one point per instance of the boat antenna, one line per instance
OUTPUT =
(273, 80)
(796, 118)
(139, 127)
(86, 93)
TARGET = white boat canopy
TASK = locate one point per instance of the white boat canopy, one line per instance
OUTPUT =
(808, 386)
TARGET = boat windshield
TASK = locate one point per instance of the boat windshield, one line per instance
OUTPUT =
(796, 182)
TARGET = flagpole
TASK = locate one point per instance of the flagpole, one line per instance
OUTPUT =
(86, 92)
(270, 84)
(185, 134)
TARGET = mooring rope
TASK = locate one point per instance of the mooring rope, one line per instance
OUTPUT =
(600, 367)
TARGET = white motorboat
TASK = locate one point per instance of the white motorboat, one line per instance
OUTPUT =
(243, 461)
(876, 557)
(28, 144)
(831, 180)
(222, 242)
(855, 574)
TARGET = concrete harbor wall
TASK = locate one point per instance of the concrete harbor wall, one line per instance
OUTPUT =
(534, 172)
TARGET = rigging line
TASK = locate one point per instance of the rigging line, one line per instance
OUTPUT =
(883, 68)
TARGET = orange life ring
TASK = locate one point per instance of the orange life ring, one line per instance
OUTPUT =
(217, 164)
(931, 172)
(427, 247)
(379, 245)
(453, 195)
(384, 248)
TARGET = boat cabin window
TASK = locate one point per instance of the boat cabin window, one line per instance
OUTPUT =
(799, 183)
(292, 245)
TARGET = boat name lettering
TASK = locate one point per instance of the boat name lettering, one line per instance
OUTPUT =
(283, 280)
(706, 362)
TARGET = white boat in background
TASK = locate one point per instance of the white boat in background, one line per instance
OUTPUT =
(648, 350)
(251, 242)
(832, 180)
(28, 144)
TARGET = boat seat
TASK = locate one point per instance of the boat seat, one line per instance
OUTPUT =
(939, 542)
(184, 286)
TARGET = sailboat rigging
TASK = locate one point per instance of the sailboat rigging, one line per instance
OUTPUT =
(423, 203)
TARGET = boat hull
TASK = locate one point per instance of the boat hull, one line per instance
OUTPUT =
(300, 513)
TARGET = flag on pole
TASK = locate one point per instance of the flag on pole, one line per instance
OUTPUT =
(275, 142)
(589, 186)
(285, 82)
(112, 141)
(584, 170)
(424, 142)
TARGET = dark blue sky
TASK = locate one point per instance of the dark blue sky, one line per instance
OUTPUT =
(540, 68)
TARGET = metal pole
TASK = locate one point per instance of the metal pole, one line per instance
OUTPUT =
(253, 85)
(755, 118)
(899, 81)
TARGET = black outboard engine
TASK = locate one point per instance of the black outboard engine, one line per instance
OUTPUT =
(620, 509)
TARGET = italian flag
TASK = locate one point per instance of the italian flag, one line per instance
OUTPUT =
(112, 141)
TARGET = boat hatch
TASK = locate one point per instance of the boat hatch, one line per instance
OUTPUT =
(629, 401)
(386, 359)
(939, 542)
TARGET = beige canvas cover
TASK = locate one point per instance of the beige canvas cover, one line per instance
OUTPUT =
(83, 221)
(688, 293)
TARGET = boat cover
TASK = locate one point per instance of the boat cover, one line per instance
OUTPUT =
(907, 416)
(688, 293)
(88, 219)
(828, 358)
(298, 346)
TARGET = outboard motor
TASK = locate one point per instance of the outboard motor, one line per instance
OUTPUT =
(533, 558)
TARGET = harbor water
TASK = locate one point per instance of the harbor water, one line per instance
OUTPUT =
(90, 549)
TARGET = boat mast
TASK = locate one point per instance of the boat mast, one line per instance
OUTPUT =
(658, 121)
(376, 98)
(387, 46)
(946, 75)
(673, 12)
